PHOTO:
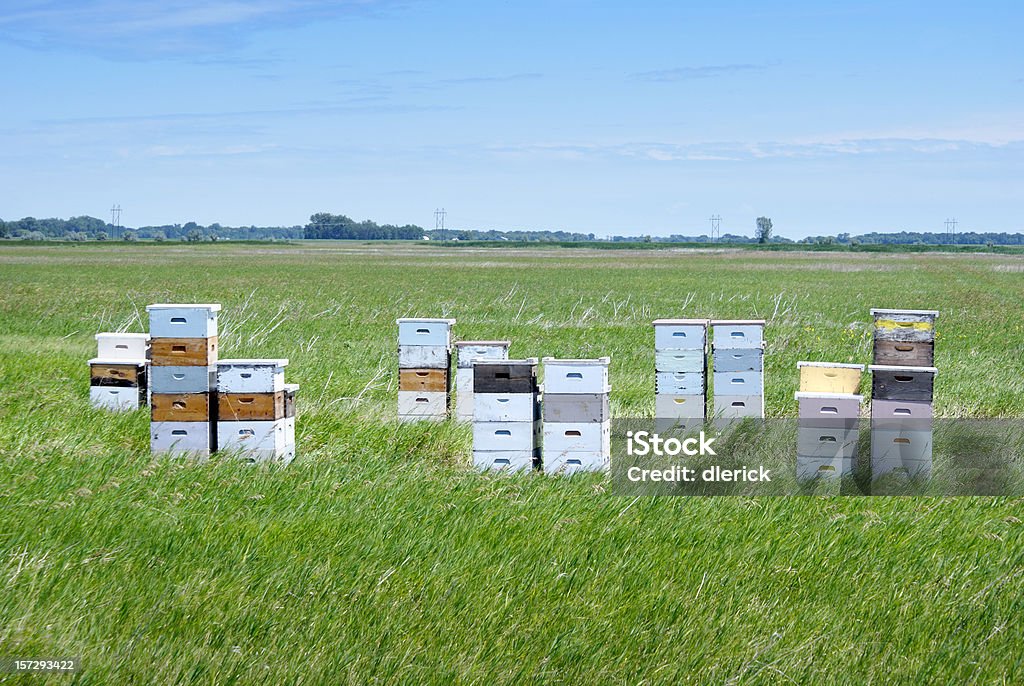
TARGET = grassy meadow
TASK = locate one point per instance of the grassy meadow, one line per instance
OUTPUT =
(379, 556)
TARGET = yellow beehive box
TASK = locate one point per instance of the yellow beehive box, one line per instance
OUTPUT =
(829, 377)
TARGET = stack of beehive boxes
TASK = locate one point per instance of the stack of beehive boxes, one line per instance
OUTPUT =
(424, 360)
(117, 375)
(576, 416)
(738, 359)
(829, 419)
(182, 378)
(506, 415)
(466, 352)
(255, 410)
(902, 391)
(680, 373)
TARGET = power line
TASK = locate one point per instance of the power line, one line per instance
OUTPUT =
(115, 219)
(439, 216)
(716, 227)
(951, 230)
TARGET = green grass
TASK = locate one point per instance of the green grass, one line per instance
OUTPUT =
(379, 556)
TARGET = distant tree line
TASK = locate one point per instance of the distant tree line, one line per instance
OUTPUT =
(513, 235)
(337, 226)
(90, 228)
(324, 225)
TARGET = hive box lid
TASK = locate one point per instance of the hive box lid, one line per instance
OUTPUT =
(291, 387)
(926, 313)
(424, 320)
(669, 322)
(526, 360)
(737, 322)
(504, 343)
(593, 361)
(840, 365)
(801, 395)
(117, 361)
(212, 307)
(897, 368)
(238, 362)
(110, 334)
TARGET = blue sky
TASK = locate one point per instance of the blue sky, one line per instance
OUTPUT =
(585, 116)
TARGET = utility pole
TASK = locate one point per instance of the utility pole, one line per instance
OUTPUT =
(115, 220)
(439, 221)
(716, 227)
(951, 230)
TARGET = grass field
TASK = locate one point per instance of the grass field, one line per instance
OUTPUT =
(378, 556)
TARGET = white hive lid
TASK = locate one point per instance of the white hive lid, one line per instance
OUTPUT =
(212, 307)
(897, 368)
(840, 365)
(925, 313)
(802, 395)
(265, 362)
(117, 361)
(111, 334)
(424, 320)
(677, 322)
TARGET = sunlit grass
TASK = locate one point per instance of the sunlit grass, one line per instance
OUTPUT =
(379, 555)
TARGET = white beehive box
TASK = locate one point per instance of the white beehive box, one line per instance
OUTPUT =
(262, 440)
(504, 407)
(680, 334)
(569, 463)
(181, 438)
(181, 379)
(415, 405)
(576, 376)
(738, 333)
(423, 357)
(739, 383)
(824, 467)
(728, 407)
(490, 436)
(680, 406)
(430, 332)
(560, 437)
(122, 346)
(251, 376)
(829, 442)
(116, 398)
(182, 321)
(467, 351)
(504, 460)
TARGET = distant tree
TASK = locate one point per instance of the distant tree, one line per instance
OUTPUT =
(194, 236)
(764, 230)
(101, 235)
(130, 237)
(159, 236)
(76, 236)
(33, 236)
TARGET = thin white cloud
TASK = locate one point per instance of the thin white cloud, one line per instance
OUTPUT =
(147, 28)
(706, 71)
(735, 151)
